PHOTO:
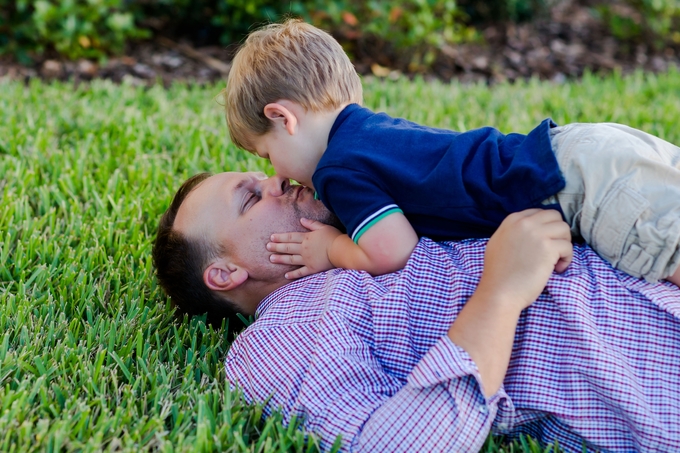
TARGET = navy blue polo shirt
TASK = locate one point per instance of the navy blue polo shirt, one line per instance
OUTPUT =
(449, 185)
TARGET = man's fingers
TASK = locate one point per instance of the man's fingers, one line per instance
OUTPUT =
(557, 229)
(551, 227)
(526, 213)
(287, 237)
(544, 222)
(298, 273)
(566, 252)
(560, 234)
(539, 216)
(562, 265)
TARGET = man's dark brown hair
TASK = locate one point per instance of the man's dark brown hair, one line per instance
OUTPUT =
(180, 263)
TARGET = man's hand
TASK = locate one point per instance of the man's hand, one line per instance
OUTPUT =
(523, 252)
(309, 250)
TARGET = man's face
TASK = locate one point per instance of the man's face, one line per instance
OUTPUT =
(240, 211)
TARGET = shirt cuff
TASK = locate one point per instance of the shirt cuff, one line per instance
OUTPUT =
(444, 362)
(373, 219)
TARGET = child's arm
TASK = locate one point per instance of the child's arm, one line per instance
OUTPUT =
(383, 248)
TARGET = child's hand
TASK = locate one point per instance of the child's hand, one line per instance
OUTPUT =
(309, 250)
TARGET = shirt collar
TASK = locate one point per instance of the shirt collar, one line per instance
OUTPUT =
(281, 293)
(342, 116)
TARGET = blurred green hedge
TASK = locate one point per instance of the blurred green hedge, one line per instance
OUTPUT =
(95, 28)
(654, 21)
(74, 28)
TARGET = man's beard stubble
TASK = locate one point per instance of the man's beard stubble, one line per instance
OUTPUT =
(322, 215)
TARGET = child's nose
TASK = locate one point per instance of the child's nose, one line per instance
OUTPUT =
(277, 186)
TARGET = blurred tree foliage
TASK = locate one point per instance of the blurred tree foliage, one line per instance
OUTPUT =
(414, 28)
(74, 28)
(652, 21)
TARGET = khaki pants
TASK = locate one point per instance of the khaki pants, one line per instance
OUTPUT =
(622, 195)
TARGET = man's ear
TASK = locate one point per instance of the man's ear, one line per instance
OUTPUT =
(281, 116)
(221, 276)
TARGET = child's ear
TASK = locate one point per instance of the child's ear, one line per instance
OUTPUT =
(281, 116)
(222, 276)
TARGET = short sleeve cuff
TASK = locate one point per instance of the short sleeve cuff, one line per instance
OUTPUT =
(443, 362)
(373, 219)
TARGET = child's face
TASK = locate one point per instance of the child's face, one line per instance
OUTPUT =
(291, 155)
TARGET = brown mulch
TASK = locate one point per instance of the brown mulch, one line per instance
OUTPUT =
(560, 46)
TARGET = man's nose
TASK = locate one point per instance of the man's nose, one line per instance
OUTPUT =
(276, 186)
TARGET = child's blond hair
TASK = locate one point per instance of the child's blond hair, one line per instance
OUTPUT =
(293, 61)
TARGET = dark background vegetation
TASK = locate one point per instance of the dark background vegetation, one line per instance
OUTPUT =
(494, 40)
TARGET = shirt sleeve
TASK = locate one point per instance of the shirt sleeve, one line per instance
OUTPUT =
(441, 408)
(356, 197)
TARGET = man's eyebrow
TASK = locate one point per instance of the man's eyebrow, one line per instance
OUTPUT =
(235, 191)
(238, 186)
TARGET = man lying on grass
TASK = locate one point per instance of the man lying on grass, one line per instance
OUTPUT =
(469, 338)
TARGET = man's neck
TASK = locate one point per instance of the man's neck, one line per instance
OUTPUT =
(249, 296)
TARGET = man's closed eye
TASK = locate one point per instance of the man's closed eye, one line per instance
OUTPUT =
(251, 200)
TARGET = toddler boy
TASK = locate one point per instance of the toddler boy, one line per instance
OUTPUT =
(294, 97)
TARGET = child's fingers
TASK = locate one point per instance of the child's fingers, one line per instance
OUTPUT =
(298, 273)
(294, 260)
(289, 248)
(288, 237)
(312, 225)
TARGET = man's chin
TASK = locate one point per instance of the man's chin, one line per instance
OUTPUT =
(333, 220)
(318, 212)
(328, 218)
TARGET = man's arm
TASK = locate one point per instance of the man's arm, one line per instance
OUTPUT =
(518, 261)
(440, 408)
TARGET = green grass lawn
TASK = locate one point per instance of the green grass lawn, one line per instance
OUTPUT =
(90, 355)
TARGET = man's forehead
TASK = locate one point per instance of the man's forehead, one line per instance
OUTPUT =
(199, 203)
(220, 189)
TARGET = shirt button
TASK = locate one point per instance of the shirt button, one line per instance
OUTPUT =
(483, 409)
(502, 426)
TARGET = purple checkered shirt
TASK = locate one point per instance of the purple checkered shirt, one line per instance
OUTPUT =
(595, 363)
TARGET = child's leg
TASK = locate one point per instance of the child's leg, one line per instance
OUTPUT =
(623, 196)
(675, 278)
